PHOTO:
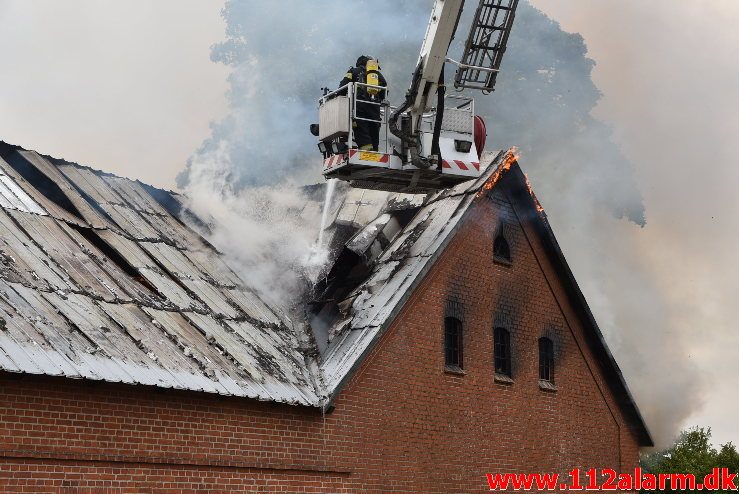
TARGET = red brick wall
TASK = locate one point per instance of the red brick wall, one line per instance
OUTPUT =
(400, 425)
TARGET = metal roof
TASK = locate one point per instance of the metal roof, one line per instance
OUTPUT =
(396, 271)
(99, 280)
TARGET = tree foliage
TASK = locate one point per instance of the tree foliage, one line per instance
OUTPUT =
(692, 453)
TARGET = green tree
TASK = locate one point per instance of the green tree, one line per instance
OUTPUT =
(692, 453)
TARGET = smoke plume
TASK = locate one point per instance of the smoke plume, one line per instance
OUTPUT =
(281, 54)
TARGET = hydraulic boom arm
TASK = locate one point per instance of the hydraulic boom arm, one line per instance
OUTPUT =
(432, 140)
(478, 70)
(439, 34)
(427, 76)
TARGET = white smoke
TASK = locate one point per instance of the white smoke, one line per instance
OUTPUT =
(281, 54)
(268, 232)
(246, 175)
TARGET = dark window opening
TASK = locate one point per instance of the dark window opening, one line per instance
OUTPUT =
(502, 344)
(453, 342)
(546, 360)
(501, 249)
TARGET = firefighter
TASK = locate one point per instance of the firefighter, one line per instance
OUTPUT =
(367, 119)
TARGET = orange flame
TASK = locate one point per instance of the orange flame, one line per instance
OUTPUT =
(538, 205)
(512, 156)
(505, 165)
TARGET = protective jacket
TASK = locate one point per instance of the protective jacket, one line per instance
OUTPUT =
(358, 74)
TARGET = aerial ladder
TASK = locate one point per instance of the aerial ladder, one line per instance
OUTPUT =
(433, 140)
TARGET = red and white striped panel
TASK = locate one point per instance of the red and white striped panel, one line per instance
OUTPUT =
(334, 160)
(460, 165)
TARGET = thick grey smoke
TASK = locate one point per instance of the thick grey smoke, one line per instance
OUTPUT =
(281, 54)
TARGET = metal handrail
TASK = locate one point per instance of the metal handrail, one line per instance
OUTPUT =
(351, 91)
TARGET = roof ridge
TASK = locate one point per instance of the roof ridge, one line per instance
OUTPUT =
(102, 173)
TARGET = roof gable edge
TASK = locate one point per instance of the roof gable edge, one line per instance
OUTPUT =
(524, 195)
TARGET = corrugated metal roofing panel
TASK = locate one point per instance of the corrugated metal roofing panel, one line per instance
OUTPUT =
(173, 230)
(172, 260)
(53, 174)
(238, 350)
(23, 361)
(213, 266)
(6, 363)
(47, 351)
(48, 205)
(401, 202)
(281, 364)
(31, 306)
(71, 254)
(152, 341)
(253, 306)
(73, 304)
(91, 183)
(128, 284)
(344, 354)
(279, 349)
(130, 222)
(214, 298)
(104, 336)
(129, 249)
(148, 256)
(27, 348)
(221, 376)
(16, 198)
(23, 256)
(134, 195)
(171, 290)
(5, 203)
(361, 206)
(34, 307)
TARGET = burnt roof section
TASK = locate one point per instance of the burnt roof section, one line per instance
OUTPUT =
(100, 279)
(360, 301)
(356, 312)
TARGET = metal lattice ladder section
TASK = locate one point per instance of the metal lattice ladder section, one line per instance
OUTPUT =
(486, 45)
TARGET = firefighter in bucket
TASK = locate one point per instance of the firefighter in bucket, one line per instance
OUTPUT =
(367, 122)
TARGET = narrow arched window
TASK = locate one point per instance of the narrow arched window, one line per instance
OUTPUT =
(546, 360)
(502, 348)
(501, 249)
(453, 340)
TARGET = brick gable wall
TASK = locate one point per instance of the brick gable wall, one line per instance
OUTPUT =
(401, 424)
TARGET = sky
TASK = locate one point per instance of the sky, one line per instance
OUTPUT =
(129, 87)
(670, 83)
(124, 86)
